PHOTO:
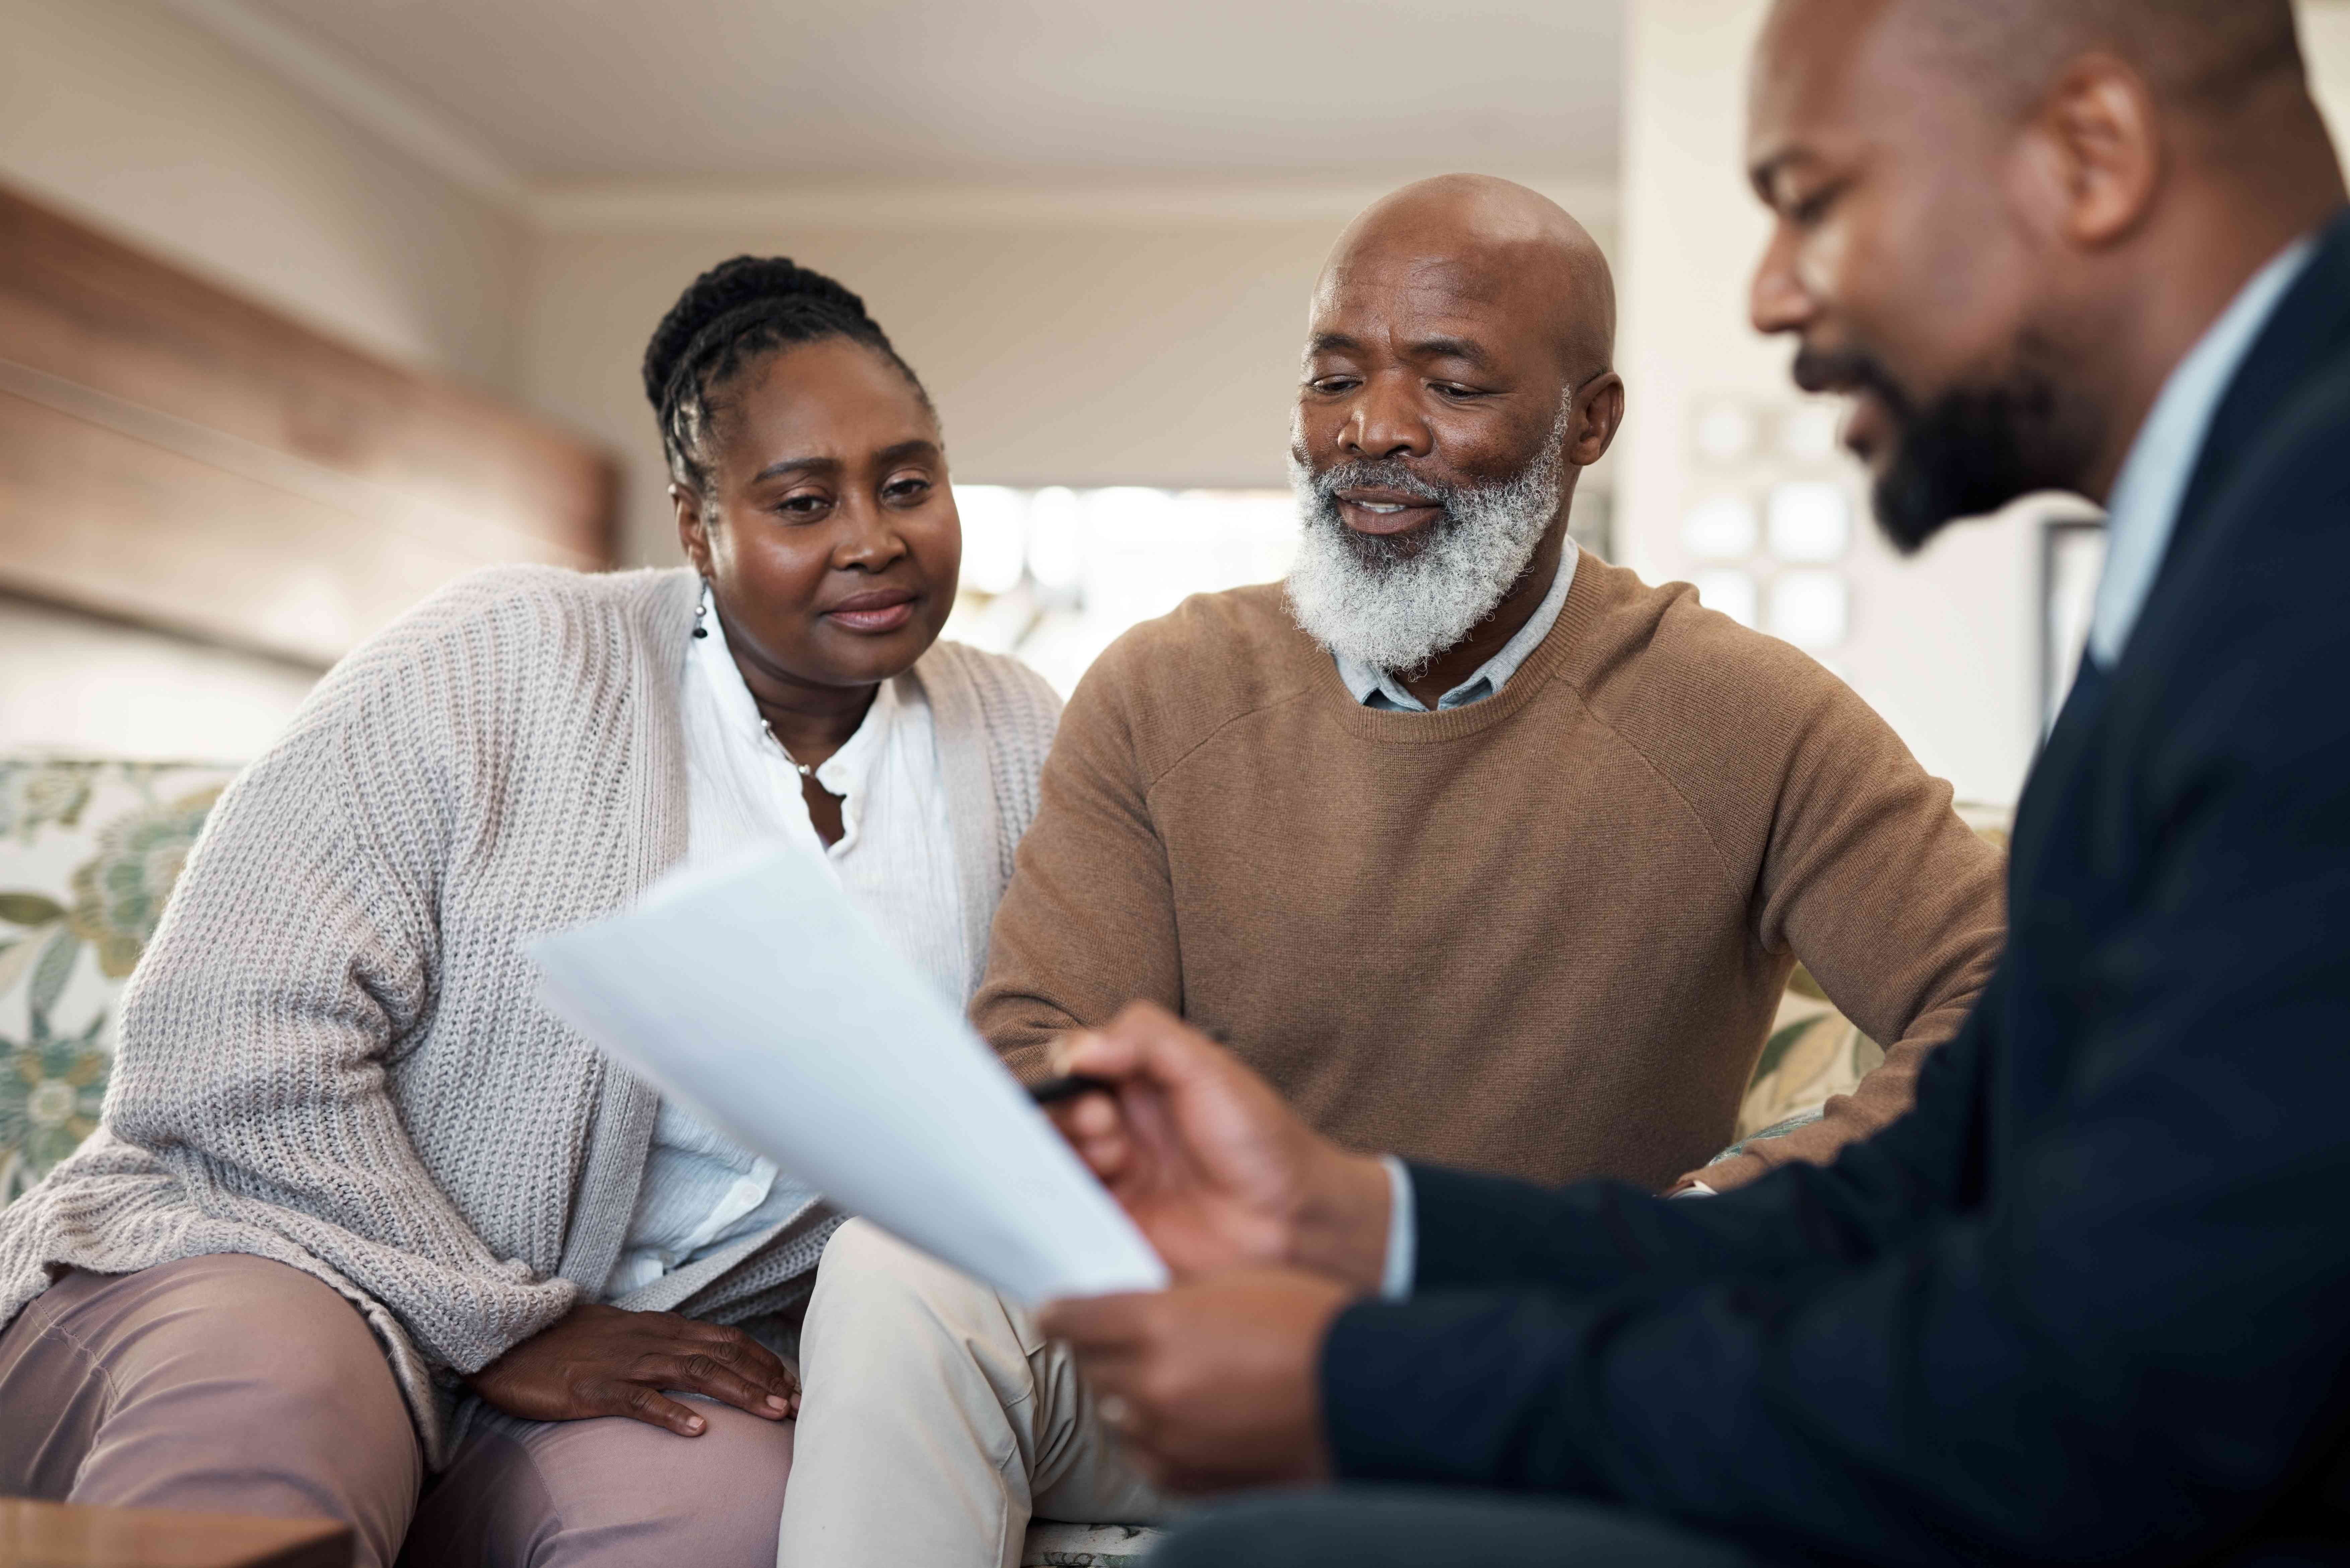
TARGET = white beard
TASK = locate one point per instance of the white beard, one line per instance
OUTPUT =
(1398, 613)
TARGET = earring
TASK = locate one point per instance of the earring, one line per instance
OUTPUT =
(700, 611)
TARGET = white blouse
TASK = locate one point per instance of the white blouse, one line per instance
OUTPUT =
(895, 862)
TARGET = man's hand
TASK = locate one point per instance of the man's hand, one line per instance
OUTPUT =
(1215, 1170)
(1211, 1384)
(601, 1361)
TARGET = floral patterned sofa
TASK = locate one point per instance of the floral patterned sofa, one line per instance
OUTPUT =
(89, 851)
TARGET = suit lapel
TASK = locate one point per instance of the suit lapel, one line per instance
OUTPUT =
(2045, 792)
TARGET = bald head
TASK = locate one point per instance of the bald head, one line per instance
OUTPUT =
(2209, 55)
(1496, 241)
(1458, 377)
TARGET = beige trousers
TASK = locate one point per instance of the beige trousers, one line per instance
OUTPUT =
(233, 1385)
(935, 1421)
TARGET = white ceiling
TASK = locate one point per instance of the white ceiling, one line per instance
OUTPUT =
(1004, 90)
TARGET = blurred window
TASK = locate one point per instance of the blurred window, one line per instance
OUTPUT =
(1054, 576)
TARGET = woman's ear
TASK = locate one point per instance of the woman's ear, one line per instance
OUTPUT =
(692, 527)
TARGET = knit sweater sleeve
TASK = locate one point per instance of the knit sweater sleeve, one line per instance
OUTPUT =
(1871, 879)
(1089, 922)
(300, 949)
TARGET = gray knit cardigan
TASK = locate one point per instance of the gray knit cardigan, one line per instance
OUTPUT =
(333, 1055)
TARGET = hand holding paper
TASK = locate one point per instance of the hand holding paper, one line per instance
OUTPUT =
(762, 999)
(1214, 1167)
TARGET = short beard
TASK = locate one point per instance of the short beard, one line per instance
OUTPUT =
(1395, 604)
(1971, 450)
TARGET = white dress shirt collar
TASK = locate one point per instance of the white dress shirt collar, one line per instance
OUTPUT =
(2152, 485)
(753, 753)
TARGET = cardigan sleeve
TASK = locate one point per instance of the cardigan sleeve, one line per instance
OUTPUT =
(257, 1036)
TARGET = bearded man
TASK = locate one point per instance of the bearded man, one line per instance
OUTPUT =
(1481, 849)
(1484, 851)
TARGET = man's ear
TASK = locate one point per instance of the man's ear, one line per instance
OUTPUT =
(692, 529)
(1598, 415)
(2099, 132)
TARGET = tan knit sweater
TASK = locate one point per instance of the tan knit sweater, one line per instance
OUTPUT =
(333, 1053)
(1544, 934)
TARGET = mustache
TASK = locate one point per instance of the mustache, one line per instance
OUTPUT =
(1381, 473)
(1851, 370)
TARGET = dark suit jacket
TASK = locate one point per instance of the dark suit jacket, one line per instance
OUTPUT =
(2090, 1300)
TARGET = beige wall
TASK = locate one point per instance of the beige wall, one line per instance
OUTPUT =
(126, 115)
(2325, 40)
(156, 130)
(1059, 352)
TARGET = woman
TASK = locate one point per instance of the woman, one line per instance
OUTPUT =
(336, 1089)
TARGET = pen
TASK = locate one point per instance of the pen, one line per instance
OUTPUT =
(1053, 1091)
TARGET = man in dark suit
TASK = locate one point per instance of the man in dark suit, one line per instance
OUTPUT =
(2090, 1300)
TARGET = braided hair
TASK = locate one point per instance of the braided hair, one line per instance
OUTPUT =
(727, 320)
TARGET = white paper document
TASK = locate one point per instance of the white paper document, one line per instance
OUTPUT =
(761, 998)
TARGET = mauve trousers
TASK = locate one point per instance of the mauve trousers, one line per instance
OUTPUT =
(233, 1385)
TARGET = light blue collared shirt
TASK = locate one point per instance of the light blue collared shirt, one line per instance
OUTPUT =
(2152, 485)
(1379, 688)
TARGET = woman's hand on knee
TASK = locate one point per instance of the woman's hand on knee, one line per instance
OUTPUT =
(602, 1361)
